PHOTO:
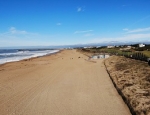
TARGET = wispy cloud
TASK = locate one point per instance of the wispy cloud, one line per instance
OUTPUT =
(80, 9)
(126, 38)
(59, 24)
(137, 30)
(13, 30)
(125, 29)
(140, 20)
(15, 37)
(135, 35)
(88, 35)
(79, 32)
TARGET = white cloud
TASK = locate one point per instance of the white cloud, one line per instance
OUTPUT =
(14, 37)
(137, 30)
(125, 38)
(136, 36)
(141, 20)
(79, 32)
(88, 35)
(13, 30)
(59, 24)
(80, 9)
(125, 29)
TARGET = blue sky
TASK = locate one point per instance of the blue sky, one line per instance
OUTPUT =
(67, 22)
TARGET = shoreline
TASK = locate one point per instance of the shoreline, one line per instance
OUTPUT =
(31, 58)
(65, 80)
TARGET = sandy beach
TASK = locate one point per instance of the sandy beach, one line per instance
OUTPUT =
(66, 83)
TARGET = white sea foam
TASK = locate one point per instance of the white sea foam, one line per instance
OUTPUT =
(20, 55)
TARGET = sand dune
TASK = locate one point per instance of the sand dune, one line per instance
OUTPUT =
(132, 80)
(65, 83)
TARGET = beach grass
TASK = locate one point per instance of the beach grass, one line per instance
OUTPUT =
(147, 53)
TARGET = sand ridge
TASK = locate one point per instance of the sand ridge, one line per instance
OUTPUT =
(132, 80)
(65, 83)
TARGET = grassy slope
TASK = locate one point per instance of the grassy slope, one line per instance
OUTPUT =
(147, 53)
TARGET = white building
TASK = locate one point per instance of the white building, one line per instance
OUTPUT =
(94, 57)
(101, 56)
(110, 46)
(141, 45)
(107, 56)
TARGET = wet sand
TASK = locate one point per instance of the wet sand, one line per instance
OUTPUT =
(65, 83)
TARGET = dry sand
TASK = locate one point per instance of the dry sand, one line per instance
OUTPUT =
(60, 84)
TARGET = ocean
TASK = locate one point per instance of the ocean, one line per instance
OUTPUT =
(10, 55)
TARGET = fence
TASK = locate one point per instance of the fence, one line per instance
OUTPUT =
(133, 55)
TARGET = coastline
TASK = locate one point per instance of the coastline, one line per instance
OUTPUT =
(63, 83)
(30, 58)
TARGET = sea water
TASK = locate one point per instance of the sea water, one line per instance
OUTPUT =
(10, 55)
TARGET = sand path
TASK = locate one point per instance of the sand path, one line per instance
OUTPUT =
(58, 85)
